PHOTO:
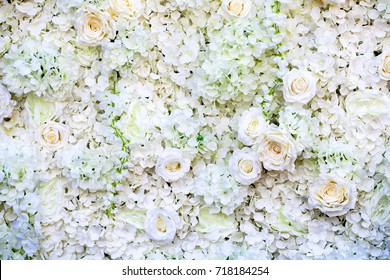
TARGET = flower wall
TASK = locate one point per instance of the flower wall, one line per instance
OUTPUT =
(194, 129)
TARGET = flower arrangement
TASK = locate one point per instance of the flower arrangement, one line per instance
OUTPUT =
(194, 129)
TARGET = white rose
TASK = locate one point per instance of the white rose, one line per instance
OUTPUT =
(6, 103)
(95, 27)
(377, 206)
(252, 123)
(367, 103)
(277, 151)
(299, 86)
(384, 67)
(161, 225)
(333, 195)
(215, 225)
(172, 165)
(130, 9)
(52, 135)
(236, 8)
(245, 167)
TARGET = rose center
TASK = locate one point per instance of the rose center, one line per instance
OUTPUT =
(299, 85)
(51, 136)
(160, 225)
(275, 148)
(252, 126)
(173, 166)
(236, 7)
(245, 166)
(94, 24)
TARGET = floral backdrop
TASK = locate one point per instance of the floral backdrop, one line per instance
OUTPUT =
(194, 129)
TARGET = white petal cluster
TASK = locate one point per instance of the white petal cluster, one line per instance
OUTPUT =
(299, 86)
(333, 195)
(161, 225)
(172, 165)
(6, 103)
(245, 166)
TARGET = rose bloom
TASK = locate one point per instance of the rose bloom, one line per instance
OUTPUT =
(131, 9)
(333, 195)
(236, 8)
(277, 151)
(161, 225)
(251, 124)
(384, 67)
(96, 27)
(245, 167)
(299, 86)
(52, 135)
(172, 165)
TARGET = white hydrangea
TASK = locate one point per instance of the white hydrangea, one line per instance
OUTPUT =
(218, 189)
(6, 103)
(39, 67)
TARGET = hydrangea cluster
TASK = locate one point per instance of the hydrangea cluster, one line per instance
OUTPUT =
(195, 129)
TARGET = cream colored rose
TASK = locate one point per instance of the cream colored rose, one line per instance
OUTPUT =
(384, 67)
(130, 9)
(96, 27)
(52, 135)
(277, 151)
(236, 8)
(334, 196)
(299, 86)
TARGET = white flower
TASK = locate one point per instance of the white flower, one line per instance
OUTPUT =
(40, 111)
(384, 67)
(333, 195)
(172, 165)
(161, 225)
(252, 123)
(333, 1)
(367, 103)
(236, 8)
(245, 167)
(277, 151)
(51, 195)
(6, 103)
(130, 9)
(215, 225)
(95, 27)
(135, 124)
(52, 135)
(377, 206)
(299, 86)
